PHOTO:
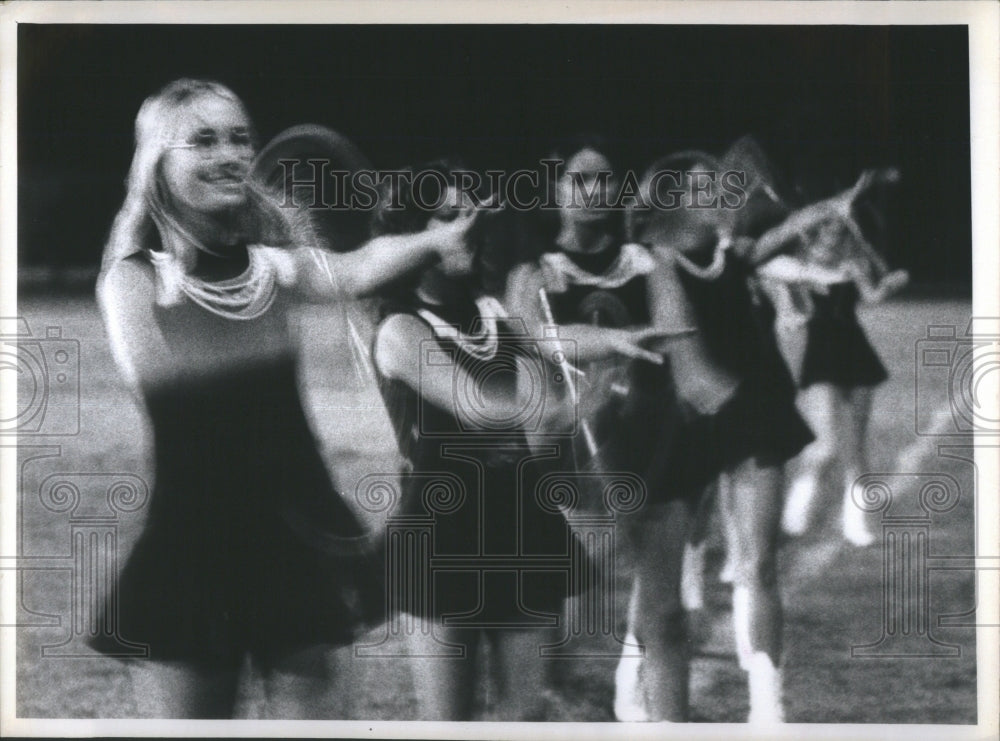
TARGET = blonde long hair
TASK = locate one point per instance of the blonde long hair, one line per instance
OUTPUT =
(145, 221)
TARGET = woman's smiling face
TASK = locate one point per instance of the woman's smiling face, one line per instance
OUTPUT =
(205, 168)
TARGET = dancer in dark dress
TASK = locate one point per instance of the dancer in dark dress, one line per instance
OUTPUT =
(815, 292)
(614, 302)
(247, 549)
(837, 349)
(453, 370)
(746, 439)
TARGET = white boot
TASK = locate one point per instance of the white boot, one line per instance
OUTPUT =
(741, 626)
(766, 707)
(798, 505)
(693, 577)
(629, 703)
(855, 528)
(763, 677)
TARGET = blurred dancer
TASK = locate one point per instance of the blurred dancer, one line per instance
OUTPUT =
(747, 439)
(247, 549)
(816, 290)
(467, 421)
(612, 300)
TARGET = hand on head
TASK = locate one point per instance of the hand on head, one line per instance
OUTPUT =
(451, 238)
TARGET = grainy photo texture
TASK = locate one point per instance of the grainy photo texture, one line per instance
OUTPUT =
(556, 372)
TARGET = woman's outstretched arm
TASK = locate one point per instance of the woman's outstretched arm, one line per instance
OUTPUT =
(791, 270)
(589, 342)
(405, 351)
(874, 291)
(839, 206)
(325, 276)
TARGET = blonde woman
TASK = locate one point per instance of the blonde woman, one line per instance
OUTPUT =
(247, 550)
(818, 287)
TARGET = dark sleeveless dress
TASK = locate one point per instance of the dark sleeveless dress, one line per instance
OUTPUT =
(837, 349)
(246, 547)
(760, 420)
(499, 556)
(639, 432)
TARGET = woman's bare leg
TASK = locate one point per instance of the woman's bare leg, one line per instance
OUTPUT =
(819, 406)
(301, 685)
(629, 703)
(175, 689)
(753, 499)
(445, 685)
(657, 620)
(519, 673)
(693, 568)
(728, 571)
(857, 412)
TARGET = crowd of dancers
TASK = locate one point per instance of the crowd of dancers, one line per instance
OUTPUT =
(698, 349)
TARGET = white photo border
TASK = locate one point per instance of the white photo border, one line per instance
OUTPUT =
(983, 21)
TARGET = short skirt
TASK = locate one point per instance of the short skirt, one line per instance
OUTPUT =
(838, 352)
(481, 544)
(246, 545)
(755, 423)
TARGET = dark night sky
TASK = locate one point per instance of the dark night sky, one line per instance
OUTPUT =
(824, 101)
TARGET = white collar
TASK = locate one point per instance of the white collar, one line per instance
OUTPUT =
(482, 344)
(561, 272)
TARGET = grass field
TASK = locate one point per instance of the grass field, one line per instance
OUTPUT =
(833, 592)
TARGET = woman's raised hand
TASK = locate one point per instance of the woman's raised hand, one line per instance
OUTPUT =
(630, 343)
(451, 238)
(894, 281)
(865, 181)
(842, 203)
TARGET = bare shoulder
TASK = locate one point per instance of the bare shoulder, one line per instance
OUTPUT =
(126, 294)
(398, 342)
(126, 283)
(524, 276)
(523, 284)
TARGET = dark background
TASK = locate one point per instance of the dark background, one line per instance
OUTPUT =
(824, 101)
